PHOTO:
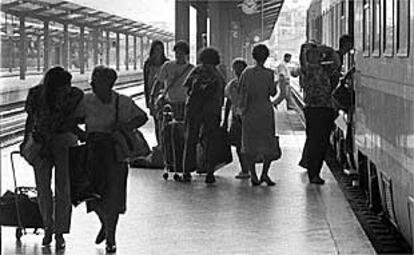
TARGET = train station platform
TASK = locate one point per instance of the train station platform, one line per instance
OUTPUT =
(228, 217)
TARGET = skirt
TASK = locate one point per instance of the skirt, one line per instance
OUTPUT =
(108, 176)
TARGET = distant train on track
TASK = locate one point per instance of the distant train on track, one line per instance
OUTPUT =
(380, 128)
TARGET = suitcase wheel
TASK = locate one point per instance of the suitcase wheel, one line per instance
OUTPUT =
(19, 233)
(165, 176)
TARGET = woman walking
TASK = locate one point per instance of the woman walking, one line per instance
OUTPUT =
(49, 106)
(99, 111)
(258, 121)
(152, 67)
(205, 86)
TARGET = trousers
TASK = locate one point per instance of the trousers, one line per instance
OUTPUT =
(285, 94)
(56, 215)
(319, 123)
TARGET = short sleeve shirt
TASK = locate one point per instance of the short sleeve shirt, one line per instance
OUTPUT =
(232, 93)
(100, 117)
(282, 69)
(169, 71)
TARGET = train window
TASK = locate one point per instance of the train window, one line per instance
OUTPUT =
(332, 33)
(376, 27)
(343, 18)
(403, 31)
(388, 27)
(366, 28)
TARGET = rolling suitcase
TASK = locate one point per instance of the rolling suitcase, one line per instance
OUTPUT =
(173, 143)
(19, 208)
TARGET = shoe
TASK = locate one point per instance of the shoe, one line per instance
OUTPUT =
(59, 242)
(210, 178)
(255, 182)
(242, 175)
(317, 180)
(110, 248)
(186, 177)
(267, 180)
(101, 236)
(47, 239)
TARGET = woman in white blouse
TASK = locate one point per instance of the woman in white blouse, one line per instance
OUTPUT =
(108, 175)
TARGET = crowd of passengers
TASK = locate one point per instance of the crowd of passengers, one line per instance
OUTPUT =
(196, 94)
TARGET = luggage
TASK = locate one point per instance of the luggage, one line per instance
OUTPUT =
(173, 143)
(19, 208)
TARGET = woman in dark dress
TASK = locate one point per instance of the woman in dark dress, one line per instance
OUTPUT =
(205, 86)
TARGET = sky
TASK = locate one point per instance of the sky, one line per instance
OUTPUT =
(146, 11)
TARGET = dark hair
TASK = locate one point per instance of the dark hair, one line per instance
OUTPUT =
(238, 66)
(345, 39)
(260, 53)
(105, 73)
(54, 79)
(155, 44)
(209, 56)
(182, 46)
(287, 55)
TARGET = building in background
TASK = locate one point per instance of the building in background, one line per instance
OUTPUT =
(290, 31)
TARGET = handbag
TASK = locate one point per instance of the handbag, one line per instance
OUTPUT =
(343, 96)
(129, 144)
(80, 183)
(30, 150)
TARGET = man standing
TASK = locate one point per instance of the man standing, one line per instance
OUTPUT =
(284, 83)
(319, 78)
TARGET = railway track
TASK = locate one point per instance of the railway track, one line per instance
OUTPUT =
(13, 115)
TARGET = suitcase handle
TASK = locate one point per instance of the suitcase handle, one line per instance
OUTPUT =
(13, 168)
(16, 197)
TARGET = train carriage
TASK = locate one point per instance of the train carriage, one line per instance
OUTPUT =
(382, 122)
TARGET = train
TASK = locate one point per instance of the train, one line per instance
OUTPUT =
(375, 139)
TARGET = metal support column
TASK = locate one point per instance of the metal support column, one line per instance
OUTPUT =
(135, 52)
(65, 55)
(182, 20)
(117, 51)
(38, 52)
(126, 52)
(95, 46)
(141, 57)
(108, 48)
(46, 46)
(22, 48)
(82, 50)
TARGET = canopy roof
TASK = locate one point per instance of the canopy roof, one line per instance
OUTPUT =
(66, 12)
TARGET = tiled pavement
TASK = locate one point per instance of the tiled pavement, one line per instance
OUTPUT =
(229, 217)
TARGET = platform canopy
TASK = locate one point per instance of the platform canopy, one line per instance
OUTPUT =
(66, 12)
(258, 17)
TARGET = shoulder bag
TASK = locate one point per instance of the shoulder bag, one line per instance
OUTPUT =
(129, 144)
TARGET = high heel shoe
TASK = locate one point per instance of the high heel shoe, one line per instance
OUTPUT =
(255, 182)
(59, 242)
(267, 180)
(110, 248)
(47, 239)
(101, 236)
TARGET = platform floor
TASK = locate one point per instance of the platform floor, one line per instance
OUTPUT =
(229, 217)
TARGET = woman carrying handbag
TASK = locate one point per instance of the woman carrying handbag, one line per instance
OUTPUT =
(104, 112)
